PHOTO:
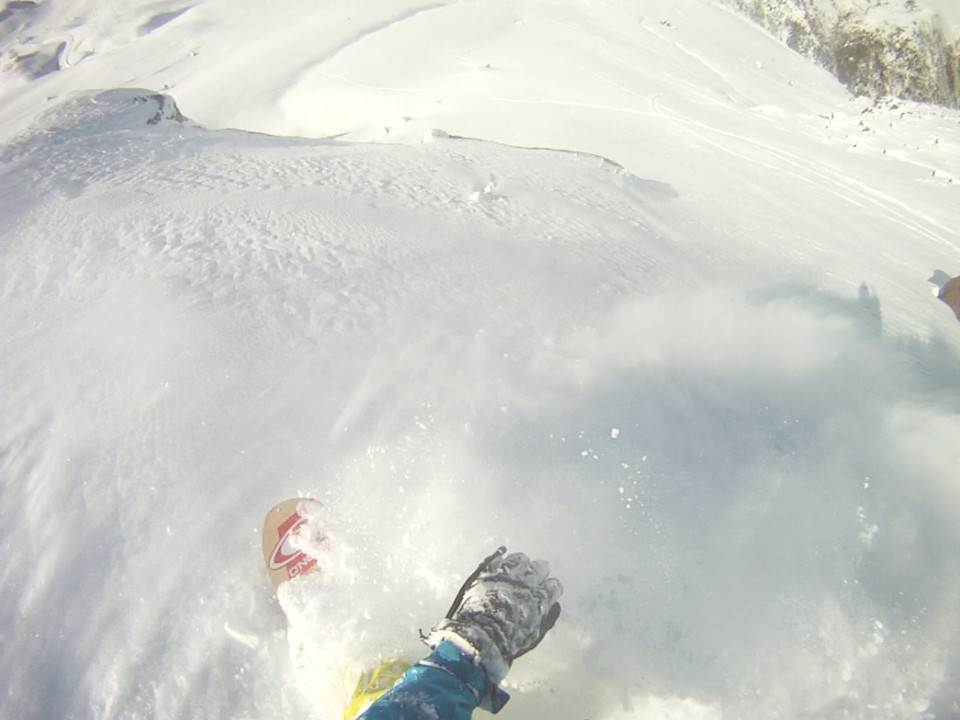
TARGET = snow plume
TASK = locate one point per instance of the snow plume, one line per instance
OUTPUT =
(770, 531)
(776, 506)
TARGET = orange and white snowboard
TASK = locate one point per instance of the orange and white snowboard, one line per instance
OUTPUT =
(283, 559)
(283, 536)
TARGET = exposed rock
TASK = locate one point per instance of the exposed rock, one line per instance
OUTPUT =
(876, 48)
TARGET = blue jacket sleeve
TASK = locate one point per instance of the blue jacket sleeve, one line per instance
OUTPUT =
(443, 686)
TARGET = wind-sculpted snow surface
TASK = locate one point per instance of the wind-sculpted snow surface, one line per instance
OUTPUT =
(747, 487)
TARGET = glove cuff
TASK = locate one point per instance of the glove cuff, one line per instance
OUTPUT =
(462, 665)
(474, 643)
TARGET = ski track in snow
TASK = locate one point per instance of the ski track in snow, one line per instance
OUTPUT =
(381, 27)
(851, 189)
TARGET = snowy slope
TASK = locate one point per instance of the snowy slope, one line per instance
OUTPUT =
(688, 355)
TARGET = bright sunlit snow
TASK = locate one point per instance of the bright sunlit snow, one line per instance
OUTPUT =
(627, 286)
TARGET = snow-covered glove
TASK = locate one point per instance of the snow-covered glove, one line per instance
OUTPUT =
(502, 611)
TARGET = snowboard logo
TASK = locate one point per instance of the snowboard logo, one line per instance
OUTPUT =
(285, 555)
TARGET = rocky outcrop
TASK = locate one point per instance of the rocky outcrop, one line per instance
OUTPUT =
(876, 48)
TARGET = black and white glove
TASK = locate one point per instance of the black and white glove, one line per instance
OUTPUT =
(502, 611)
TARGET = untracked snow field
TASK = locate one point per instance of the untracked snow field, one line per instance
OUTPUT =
(629, 287)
